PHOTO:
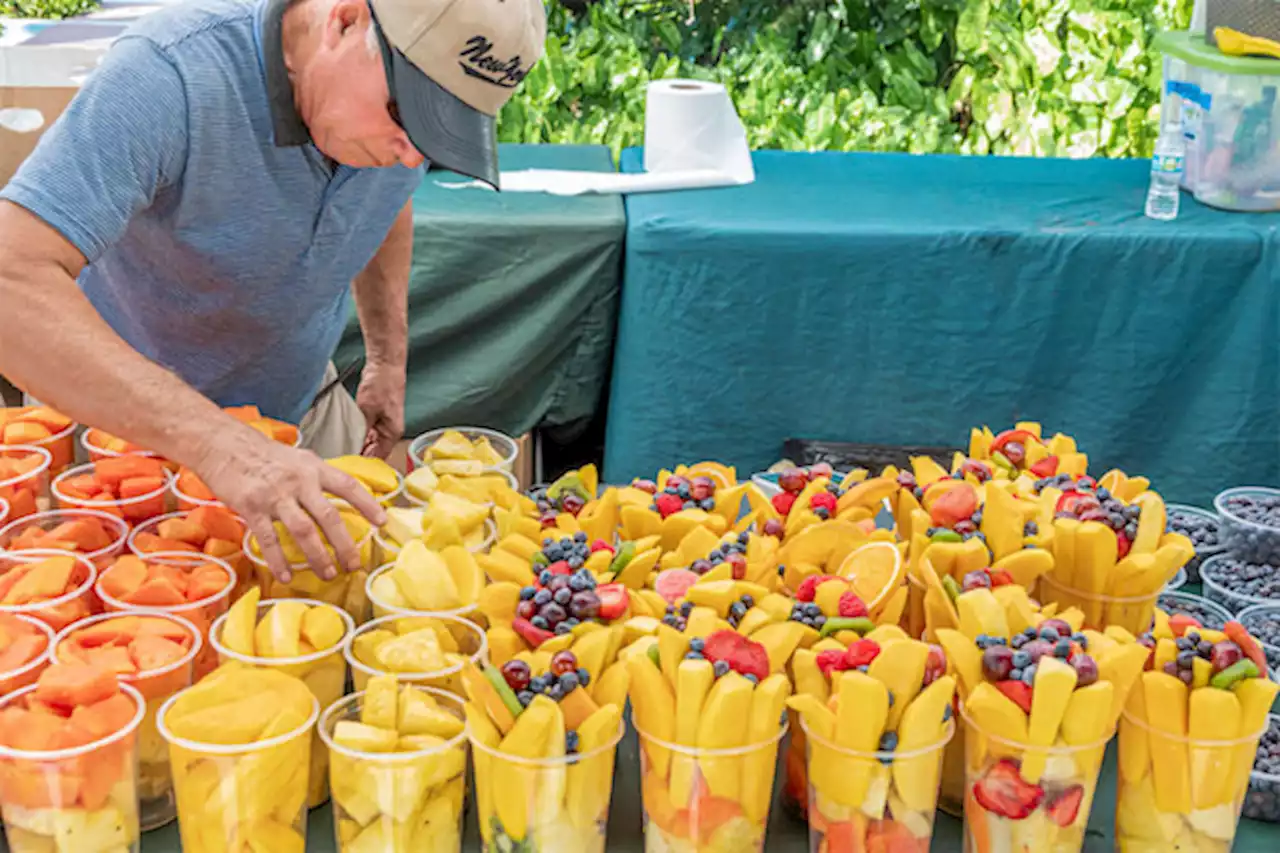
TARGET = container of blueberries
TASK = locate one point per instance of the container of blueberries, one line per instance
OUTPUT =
(1250, 524)
(1262, 802)
(1204, 611)
(1202, 528)
(1178, 582)
(1263, 622)
(1237, 585)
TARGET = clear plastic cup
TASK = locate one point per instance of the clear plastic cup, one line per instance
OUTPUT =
(504, 444)
(61, 446)
(71, 606)
(133, 510)
(243, 796)
(1178, 582)
(1252, 618)
(28, 493)
(728, 811)
(1208, 614)
(1262, 802)
(1212, 572)
(413, 500)
(92, 442)
(346, 590)
(1003, 807)
(382, 608)
(27, 673)
(548, 805)
(200, 613)
(83, 799)
(1192, 568)
(156, 805)
(1179, 791)
(397, 802)
(49, 520)
(468, 636)
(386, 550)
(246, 577)
(324, 672)
(1133, 613)
(185, 499)
(851, 792)
(1243, 539)
(4, 512)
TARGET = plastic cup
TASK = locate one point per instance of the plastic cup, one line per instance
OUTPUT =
(132, 510)
(1178, 582)
(92, 442)
(1133, 613)
(27, 673)
(1049, 813)
(849, 802)
(405, 801)
(1243, 539)
(187, 501)
(245, 575)
(1252, 618)
(1216, 590)
(419, 503)
(504, 444)
(200, 613)
(101, 558)
(324, 672)
(469, 636)
(243, 796)
(1262, 802)
(156, 805)
(61, 446)
(1192, 568)
(729, 810)
(382, 608)
(57, 613)
(386, 550)
(83, 799)
(1208, 614)
(545, 805)
(26, 494)
(1179, 791)
(346, 590)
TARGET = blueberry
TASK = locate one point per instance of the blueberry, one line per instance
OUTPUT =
(976, 518)
(1103, 494)
(819, 621)
(539, 622)
(525, 697)
(697, 644)
(575, 562)
(862, 668)
(1131, 530)
(1030, 529)
(890, 692)
(569, 682)
(686, 609)
(752, 677)
(1080, 640)
(689, 504)
(571, 742)
(577, 583)
(748, 602)
(721, 668)
(693, 656)
(737, 609)
(888, 743)
(544, 578)
(562, 596)
(555, 693)
(683, 490)
(671, 490)
(744, 538)
(1029, 675)
(563, 628)
(537, 684)
(946, 713)
(707, 504)
(1015, 674)
(716, 555)
(528, 592)
(1020, 659)
(1186, 658)
(1049, 635)
(1029, 633)
(822, 512)
(812, 609)
(580, 536)
(584, 676)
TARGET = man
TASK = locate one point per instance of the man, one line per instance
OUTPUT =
(224, 176)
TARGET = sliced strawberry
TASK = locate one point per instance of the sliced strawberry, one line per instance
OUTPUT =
(668, 504)
(935, 664)
(782, 502)
(956, 504)
(530, 633)
(809, 587)
(744, 656)
(1239, 635)
(1021, 436)
(560, 567)
(614, 600)
(1064, 806)
(1046, 467)
(860, 653)
(1018, 691)
(823, 500)
(851, 605)
(1123, 544)
(1003, 791)
(1000, 577)
(831, 660)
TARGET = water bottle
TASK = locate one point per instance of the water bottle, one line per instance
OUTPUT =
(1166, 172)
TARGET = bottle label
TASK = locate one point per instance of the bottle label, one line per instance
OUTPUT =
(1169, 164)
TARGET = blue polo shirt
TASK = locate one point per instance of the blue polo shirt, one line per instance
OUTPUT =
(221, 243)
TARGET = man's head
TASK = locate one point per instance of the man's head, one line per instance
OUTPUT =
(386, 82)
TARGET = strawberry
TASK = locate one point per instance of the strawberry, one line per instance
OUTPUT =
(782, 502)
(745, 657)
(1003, 792)
(1064, 806)
(956, 504)
(1046, 467)
(560, 567)
(675, 481)
(614, 600)
(980, 470)
(831, 659)
(851, 605)
(860, 653)
(668, 504)
(809, 587)
(1238, 634)
(1000, 577)
(739, 564)
(601, 545)
(935, 664)
(823, 500)
(530, 633)
(1018, 691)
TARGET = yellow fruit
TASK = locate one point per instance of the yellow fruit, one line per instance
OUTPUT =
(380, 705)
(323, 628)
(359, 737)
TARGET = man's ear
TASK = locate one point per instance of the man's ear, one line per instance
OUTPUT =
(346, 18)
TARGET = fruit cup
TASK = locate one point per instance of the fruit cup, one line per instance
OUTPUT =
(1006, 810)
(98, 445)
(346, 590)
(427, 650)
(1132, 613)
(1202, 527)
(1248, 532)
(152, 653)
(213, 530)
(872, 800)
(239, 744)
(24, 648)
(501, 451)
(384, 608)
(81, 798)
(152, 585)
(1215, 578)
(191, 492)
(97, 536)
(382, 481)
(1201, 609)
(1178, 582)
(24, 479)
(52, 586)
(135, 488)
(398, 769)
(324, 671)
(40, 426)
(1263, 799)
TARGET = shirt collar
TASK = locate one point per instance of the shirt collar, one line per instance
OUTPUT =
(287, 126)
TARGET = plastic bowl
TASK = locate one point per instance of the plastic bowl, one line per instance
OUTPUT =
(1198, 607)
(101, 558)
(1178, 582)
(1262, 801)
(504, 444)
(69, 607)
(1262, 612)
(1211, 572)
(26, 494)
(1243, 539)
(134, 510)
(1202, 554)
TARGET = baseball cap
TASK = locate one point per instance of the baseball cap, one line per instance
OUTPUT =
(451, 65)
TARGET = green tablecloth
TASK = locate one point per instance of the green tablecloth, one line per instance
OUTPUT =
(512, 299)
(901, 300)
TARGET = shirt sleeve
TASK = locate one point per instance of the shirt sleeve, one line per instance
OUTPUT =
(121, 140)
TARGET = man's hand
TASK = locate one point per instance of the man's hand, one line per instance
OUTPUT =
(381, 400)
(265, 481)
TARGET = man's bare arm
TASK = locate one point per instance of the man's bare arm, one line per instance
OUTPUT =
(54, 345)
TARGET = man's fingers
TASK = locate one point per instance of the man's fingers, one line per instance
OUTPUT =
(307, 535)
(264, 533)
(329, 520)
(345, 487)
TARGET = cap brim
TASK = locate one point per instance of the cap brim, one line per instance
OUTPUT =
(448, 132)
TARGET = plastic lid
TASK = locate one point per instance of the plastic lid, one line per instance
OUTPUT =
(1194, 50)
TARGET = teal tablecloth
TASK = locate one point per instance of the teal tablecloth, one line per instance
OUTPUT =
(900, 300)
(512, 299)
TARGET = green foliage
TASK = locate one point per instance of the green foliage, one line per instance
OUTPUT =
(1072, 78)
(45, 8)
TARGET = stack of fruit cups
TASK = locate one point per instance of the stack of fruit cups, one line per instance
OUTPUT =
(503, 445)
(424, 648)
(398, 768)
(40, 426)
(1188, 739)
(24, 647)
(213, 530)
(136, 488)
(1250, 524)
(346, 589)
(82, 797)
(132, 645)
(239, 743)
(97, 536)
(271, 635)
(1263, 623)
(24, 479)
(52, 586)
(202, 612)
